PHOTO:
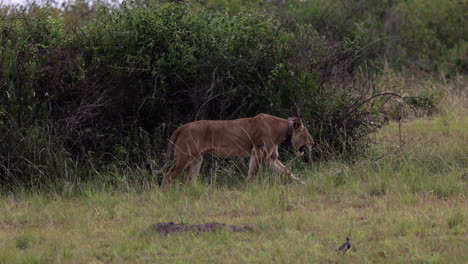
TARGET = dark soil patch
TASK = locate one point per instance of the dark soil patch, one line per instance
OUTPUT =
(171, 228)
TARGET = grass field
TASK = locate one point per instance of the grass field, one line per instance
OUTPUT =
(405, 202)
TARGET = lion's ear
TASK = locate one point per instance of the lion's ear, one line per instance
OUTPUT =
(297, 123)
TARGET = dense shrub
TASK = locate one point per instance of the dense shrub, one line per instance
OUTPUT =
(434, 34)
(111, 87)
(209, 64)
(171, 65)
(29, 153)
(428, 35)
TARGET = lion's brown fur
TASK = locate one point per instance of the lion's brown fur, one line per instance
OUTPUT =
(257, 137)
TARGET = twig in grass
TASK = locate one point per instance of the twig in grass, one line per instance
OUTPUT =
(412, 148)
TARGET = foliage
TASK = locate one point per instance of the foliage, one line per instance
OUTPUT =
(107, 84)
(434, 34)
(428, 35)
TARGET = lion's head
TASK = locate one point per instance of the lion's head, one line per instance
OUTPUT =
(301, 138)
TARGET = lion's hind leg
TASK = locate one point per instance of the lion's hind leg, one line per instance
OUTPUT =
(257, 160)
(253, 168)
(194, 168)
(182, 160)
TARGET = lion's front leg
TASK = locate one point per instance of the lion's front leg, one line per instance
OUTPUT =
(278, 167)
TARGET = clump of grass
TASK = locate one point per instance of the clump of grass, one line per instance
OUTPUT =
(377, 188)
(455, 220)
(340, 178)
(23, 241)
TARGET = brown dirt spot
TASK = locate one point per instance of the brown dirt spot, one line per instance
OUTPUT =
(172, 228)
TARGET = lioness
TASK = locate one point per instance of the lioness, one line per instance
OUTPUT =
(257, 137)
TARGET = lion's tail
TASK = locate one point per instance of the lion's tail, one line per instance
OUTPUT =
(170, 144)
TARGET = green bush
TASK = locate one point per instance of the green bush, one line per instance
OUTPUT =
(173, 64)
(433, 34)
(24, 48)
(114, 89)
(428, 35)
(30, 155)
